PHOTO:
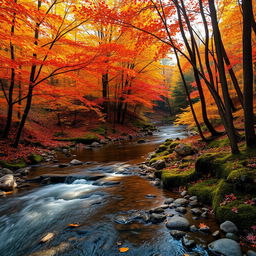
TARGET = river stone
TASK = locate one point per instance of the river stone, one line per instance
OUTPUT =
(63, 165)
(177, 234)
(169, 201)
(193, 228)
(7, 182)
(193, 203)
(181, 209)
(232, 236)
(157, 210)
(2, 193)
(5, 171)
(180, 202)
(251, 253)
(123, 219)
(183, 193)
(159, 164)
(178, 223)
(96, 144)
(196, 211)
(193, 198)
(76, 162)
(216, 234)
(188, 242)
(183, 150)
(225, 247)
(229, 227)
(157, 218)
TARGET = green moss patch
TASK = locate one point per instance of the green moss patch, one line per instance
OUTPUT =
(204, 190)
(176, 177)
(35, 159)
(244, 215)
(13, 165)
(87, 139)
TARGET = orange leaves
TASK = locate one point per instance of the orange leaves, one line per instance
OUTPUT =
(203, 225)
(123, 249)
(74, 225)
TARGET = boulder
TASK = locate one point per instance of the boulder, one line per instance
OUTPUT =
(7, 182)
(184, 150)
(188, 242)
(251, 253)
(225, 247)
(157, 217)
(76, 162)
(229, 227)
(180, 202)
(177, 234)
(168, 201)
(178, 223)
(5, 171)
(159, 164)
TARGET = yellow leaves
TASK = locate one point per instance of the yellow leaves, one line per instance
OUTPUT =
(123, 249)
(47, 237)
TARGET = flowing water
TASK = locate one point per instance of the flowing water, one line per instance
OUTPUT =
(29, 215)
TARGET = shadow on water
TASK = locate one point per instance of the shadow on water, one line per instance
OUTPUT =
(28, 216)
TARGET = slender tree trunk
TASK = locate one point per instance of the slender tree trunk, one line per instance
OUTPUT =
(30, 89)
(192, 54)
(105, 93)
(221, 68)
(11, 88)
(248, 74)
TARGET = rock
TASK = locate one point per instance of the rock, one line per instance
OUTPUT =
(205, 229)
(63, 165)
(2, 193)
(164, 206)
(123, 219)
(188, 242)
(76, 162)
(193, 228)
(150, 196)
(157, 218)
(193, 198)
(180, 202)
(106, 183)
(157, 210)
(181, 209)
(205, 209)
(141, 216)
(168, 201)
(96, 144)
(159, 164)
(47, 237)
(204, 215)
(251, 253)
(24, 171)
(184, 150)
(141, 141)
(196, 211)
(65, 150)
(193, 203)
(229, 227)
(177, 234)
(232, 236)
(216, 234)
(7, 182)
(225, 247)
(172, 205)
(178, 223)
(5, 171)
(183, 193)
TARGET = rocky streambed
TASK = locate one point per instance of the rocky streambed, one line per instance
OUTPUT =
(101, 201)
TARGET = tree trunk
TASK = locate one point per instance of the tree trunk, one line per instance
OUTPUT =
(248, 74)
(223, 80)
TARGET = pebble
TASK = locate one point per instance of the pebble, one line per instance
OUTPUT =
(177, 234)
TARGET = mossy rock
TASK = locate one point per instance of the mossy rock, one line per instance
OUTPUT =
(215, 164)
(161, 148)
(172, 146)
(244, 179)
(14, 165)
(87, 139)
(176, 177)
(219, 143)
(35, 159)
(204, 190)
(244, 218)
(162, 156)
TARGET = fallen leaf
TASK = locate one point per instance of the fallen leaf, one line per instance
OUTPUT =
(73, 225)
(123, 249)
(202, 225)
(47, 237)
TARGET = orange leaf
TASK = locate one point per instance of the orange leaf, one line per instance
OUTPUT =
(123, 249)
(73, 225)
(202, 225)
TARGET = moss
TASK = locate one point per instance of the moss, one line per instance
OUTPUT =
(244, 179)
(215, 164)
(87, 139)
(161, 156)
(161, 148)
(14, 165)
(35, 159)
(219, 143)
(172, 146)
(244, 218)
(204, 190)
(176, 177)
(99, 130)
